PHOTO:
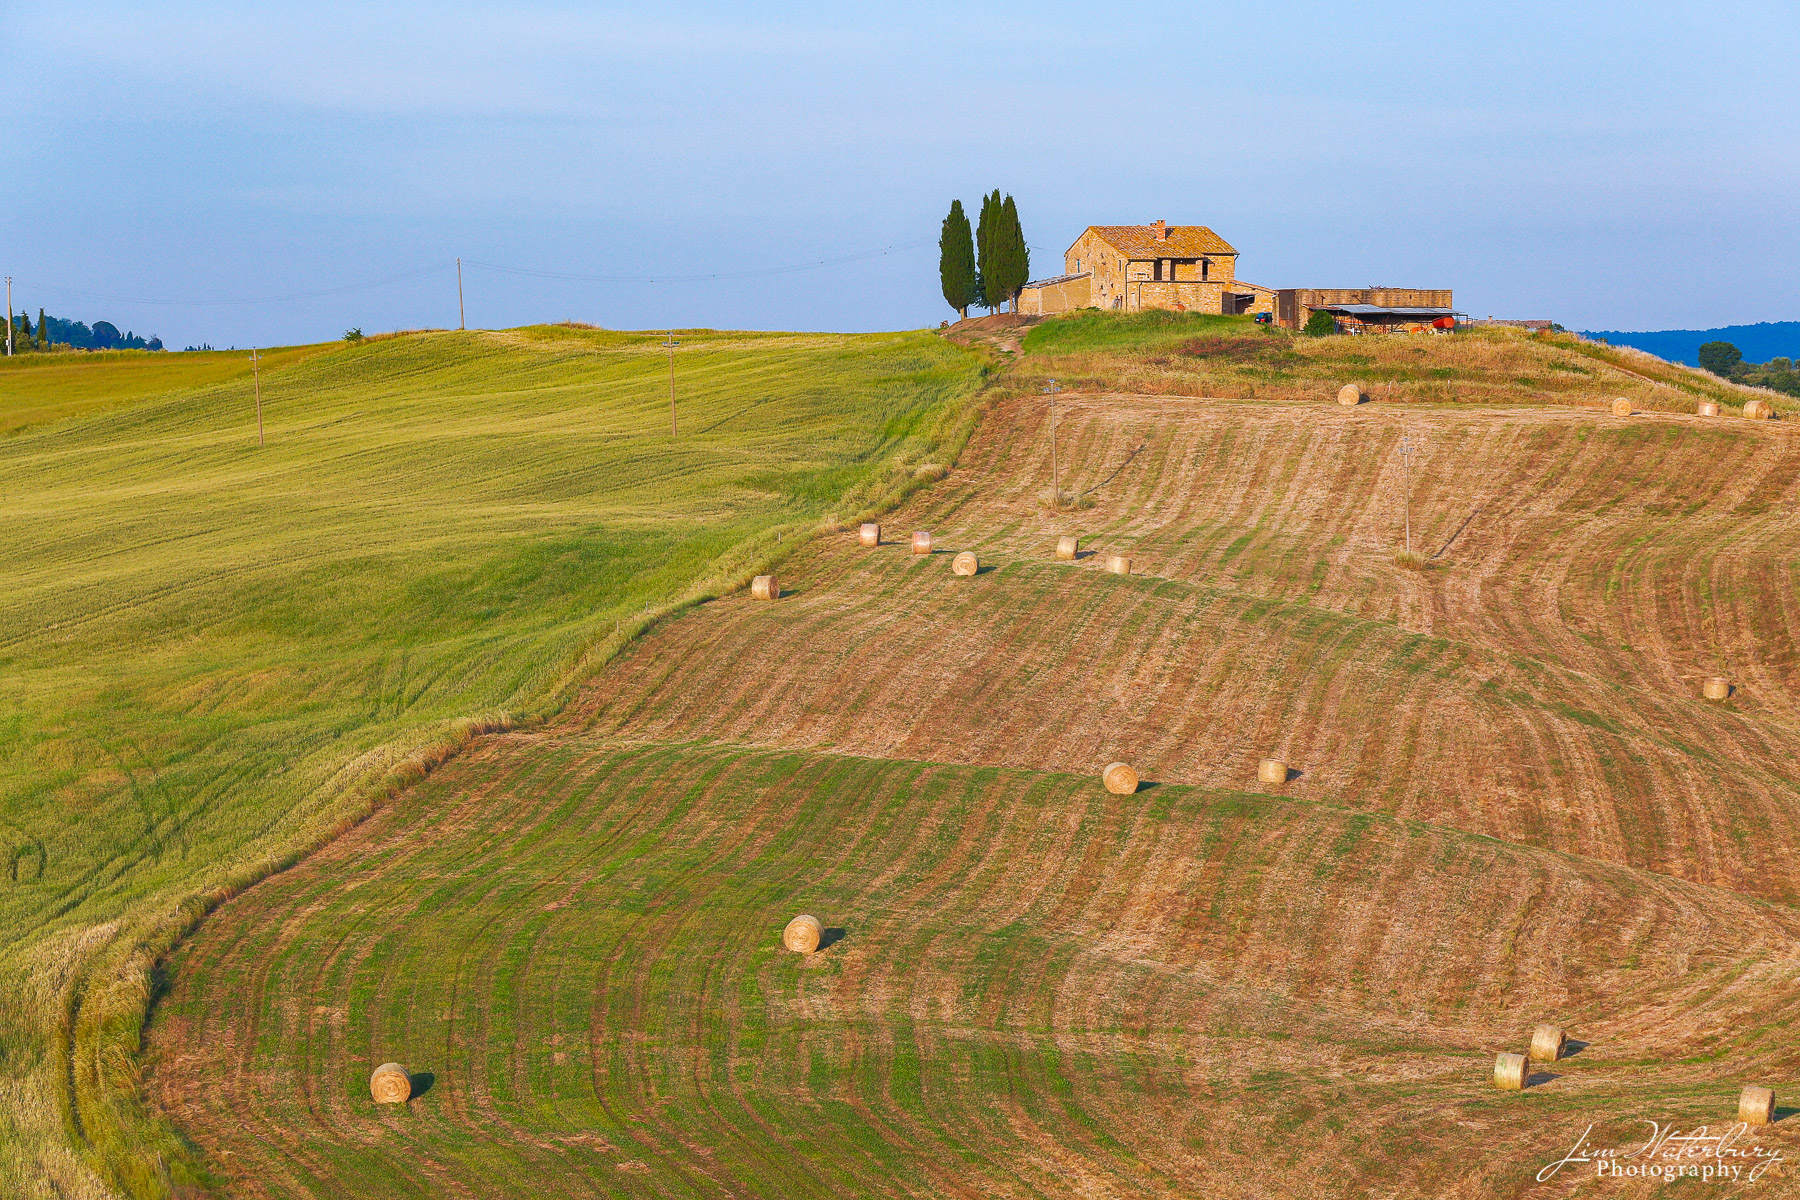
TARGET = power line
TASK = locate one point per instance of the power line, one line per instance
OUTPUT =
(758, 273)
(333, 291)
(790, 269)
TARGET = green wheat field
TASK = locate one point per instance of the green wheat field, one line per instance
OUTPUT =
(214, 653)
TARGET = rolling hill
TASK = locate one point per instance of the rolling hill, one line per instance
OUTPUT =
(1511, 805)
(218, 654)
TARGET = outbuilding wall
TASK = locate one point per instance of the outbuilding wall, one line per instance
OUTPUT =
(1061, 296)
(1294, 305)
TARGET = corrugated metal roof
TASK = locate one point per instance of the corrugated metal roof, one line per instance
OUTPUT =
(1058, 279)
(1138, 242)
(1364, 310)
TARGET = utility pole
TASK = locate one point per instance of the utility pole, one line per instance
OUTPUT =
(9, 316)
(462, 320)
(671, 343)
(256, 373)
(1055, 477)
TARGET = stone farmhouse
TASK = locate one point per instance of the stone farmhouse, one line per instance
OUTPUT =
(1189, 268)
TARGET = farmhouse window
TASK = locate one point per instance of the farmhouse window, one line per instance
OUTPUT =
(1205, 263)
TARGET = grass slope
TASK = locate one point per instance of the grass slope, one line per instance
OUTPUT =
(215, 653)
(1512, 806)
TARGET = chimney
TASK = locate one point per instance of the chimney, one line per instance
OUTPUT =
(1161, 230)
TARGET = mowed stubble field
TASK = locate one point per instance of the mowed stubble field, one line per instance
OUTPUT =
(1511, 806)
(214, 654)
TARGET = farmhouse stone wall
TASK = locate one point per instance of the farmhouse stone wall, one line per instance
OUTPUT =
(1105, 266)
(1183, 297)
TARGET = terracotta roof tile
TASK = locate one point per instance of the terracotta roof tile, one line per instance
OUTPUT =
(1138, 242)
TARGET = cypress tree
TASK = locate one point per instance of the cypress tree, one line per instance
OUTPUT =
(1015, 255)
(956, 261)
(43, 331)
(987, 249)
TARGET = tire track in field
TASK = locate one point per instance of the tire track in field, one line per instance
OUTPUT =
(1175, 926)
(1194, 685)
(1048, 990)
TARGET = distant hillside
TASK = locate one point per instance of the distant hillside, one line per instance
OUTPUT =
(1759, 343)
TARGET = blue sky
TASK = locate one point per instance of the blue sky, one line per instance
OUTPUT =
(1608, 166)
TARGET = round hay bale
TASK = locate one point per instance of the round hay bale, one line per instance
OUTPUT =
(1621, 407)
(390, 1084)
(802, 934)
(921, 542)
(1066, 547)
(869, 534)
(1716, 688)
(1547, 1043)
(965, 563)
(1509, 1072)
(1756, 1105)
(1271, 770)
(1759, 410)
(1119, 564)
(765, 587)
(1350, 394)
(1120, 779)
(1708, 409)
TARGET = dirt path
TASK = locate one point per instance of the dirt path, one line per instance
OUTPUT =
(1000, 332)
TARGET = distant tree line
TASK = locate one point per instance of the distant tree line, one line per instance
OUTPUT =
(987, 265)
(53, 332)
(1727, 361)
